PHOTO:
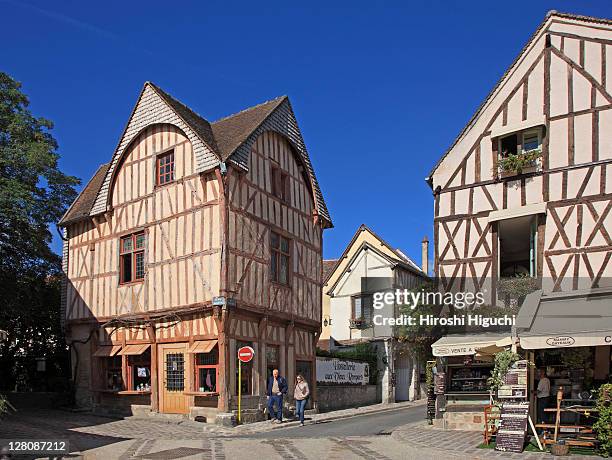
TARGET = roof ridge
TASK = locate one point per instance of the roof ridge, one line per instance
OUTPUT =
(579, 17)
(165, 93)
(284, 96)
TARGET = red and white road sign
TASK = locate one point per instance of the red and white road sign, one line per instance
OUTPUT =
(245, 354)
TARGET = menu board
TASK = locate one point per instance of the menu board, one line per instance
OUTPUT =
(513, 427)
(440, 383)
(515, 381)
(431, 403)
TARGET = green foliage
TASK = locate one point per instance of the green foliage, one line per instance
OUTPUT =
(3, 405)
(429, 376)
(518, 162)
(34, 194)
(420, 337)
(516, 288)
(603, 425)
(503, 361)
(576, 358)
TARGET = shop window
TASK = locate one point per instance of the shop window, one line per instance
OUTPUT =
(272, 359)
(206, 369)
(175, 372)
(132, 262)
(139, 371)
(165, 168)
(361, 311)
(114, 377)
(517, 246)
(246, 382)
(280, 184)
(280, 258)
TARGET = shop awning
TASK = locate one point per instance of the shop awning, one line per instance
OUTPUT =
(138, 349)
(461, 345)
(202, 346)
(107, 351)
(561, 320)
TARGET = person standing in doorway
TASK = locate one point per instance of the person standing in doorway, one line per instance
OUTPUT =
(277, 387)
(543, 395)
(300, 394)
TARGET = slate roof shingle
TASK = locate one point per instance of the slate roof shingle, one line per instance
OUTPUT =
(81, 207)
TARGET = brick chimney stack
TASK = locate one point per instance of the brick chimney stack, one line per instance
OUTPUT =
(425, 255)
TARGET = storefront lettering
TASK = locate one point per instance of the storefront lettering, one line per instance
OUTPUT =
(560, 341)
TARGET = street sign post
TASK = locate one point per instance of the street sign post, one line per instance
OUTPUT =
(245, 355)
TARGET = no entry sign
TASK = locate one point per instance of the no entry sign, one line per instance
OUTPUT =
(245, 354)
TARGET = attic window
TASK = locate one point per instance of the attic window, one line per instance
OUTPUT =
(280, 184)
(165, 168)
(508, 145)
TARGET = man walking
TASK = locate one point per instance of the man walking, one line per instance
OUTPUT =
(277, 387)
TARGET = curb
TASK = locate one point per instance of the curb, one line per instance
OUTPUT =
(294, 423)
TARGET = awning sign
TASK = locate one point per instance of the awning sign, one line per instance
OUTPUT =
(565, 341)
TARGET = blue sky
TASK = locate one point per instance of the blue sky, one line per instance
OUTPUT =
(380, 89)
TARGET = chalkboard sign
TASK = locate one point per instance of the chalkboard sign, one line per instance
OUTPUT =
(431, 403)
(440, 383)
(513, 427)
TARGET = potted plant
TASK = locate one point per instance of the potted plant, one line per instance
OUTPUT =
(517, 162)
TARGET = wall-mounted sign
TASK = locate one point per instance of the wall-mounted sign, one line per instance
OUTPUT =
(342, 372)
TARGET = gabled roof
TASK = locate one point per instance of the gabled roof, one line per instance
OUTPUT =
(228, 139)
(507, 73)
(232, 131)
(81, 207)
(398, 258)
(198, 123)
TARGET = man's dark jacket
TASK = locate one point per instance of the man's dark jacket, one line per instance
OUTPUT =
(282, 385)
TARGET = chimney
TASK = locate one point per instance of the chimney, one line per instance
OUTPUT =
(425, 255)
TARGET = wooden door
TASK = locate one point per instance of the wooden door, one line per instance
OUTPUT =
(174, 372)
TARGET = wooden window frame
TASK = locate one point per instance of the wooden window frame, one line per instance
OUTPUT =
(196, 371)
(133, 254)
(134, 361)
(275, 364)
(529, 132)
(158, 174)
(359, 296)
(280, 183)
(277, 253)
(110, 365)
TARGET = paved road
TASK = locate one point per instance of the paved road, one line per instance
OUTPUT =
(362, 425)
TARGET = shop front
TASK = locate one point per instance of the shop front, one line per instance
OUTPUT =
(463, 365)
(568, 338)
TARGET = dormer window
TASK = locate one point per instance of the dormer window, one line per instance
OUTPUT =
(519, 151)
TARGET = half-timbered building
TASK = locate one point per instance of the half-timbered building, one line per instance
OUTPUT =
(550, 216)
(525, 191)
(195, 239)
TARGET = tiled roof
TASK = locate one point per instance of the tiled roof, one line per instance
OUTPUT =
(82, 205)
(198, 123)
(232, 131)
(229, 139)
(328, 267)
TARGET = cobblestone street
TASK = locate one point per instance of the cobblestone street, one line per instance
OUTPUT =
(93, 437)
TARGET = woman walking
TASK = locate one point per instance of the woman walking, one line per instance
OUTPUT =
(300, 394)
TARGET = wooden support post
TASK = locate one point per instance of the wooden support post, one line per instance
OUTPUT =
(154, 377)
(558, 413)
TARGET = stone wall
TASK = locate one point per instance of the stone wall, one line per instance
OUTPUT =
(335, 397)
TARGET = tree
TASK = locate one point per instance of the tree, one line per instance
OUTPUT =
(34, 194)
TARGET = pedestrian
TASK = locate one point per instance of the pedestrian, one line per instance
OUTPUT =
(277, 387)
(300, 394)
(543, 396)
